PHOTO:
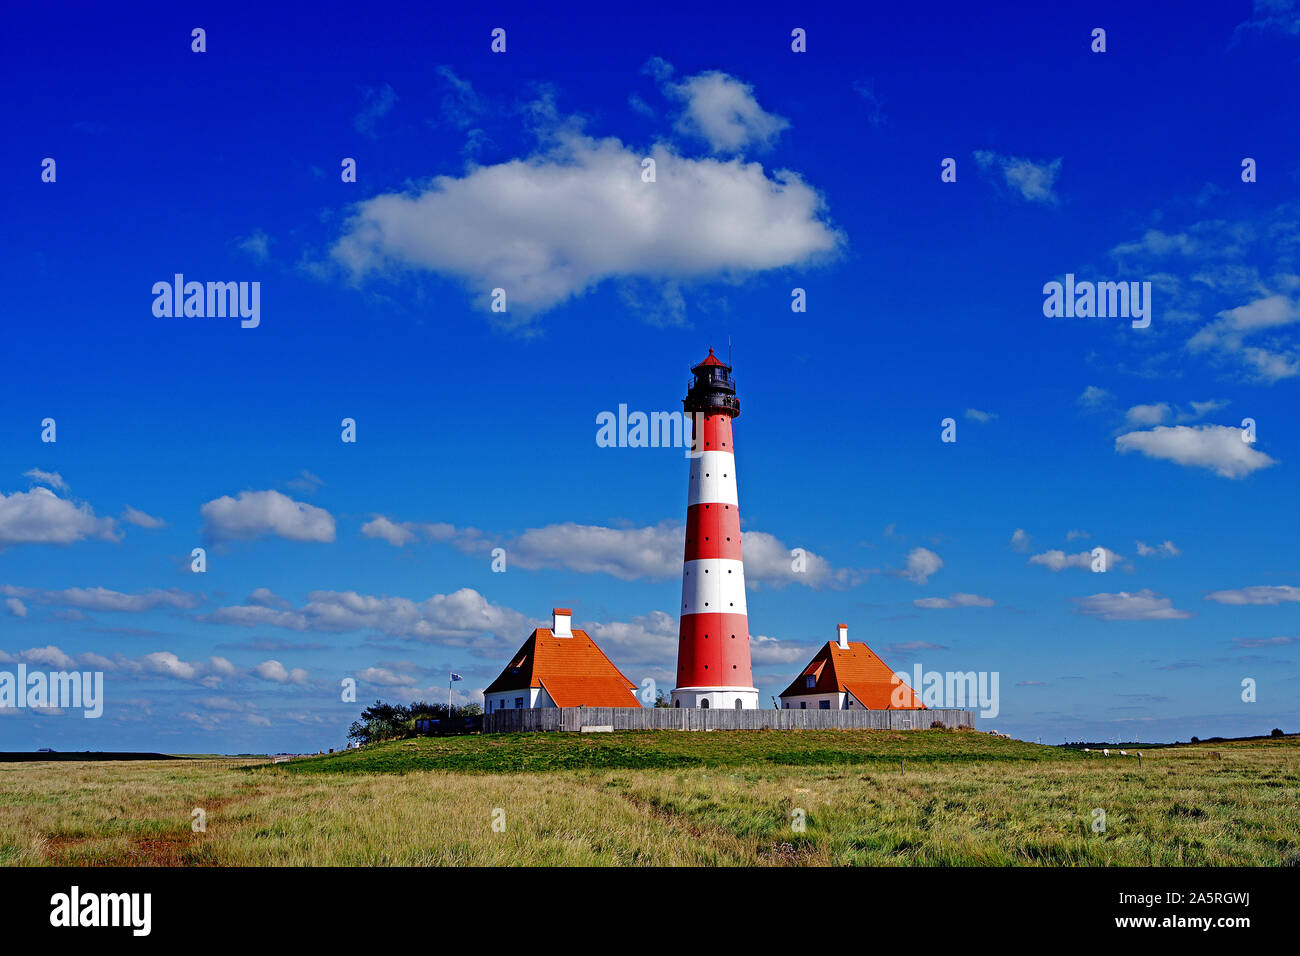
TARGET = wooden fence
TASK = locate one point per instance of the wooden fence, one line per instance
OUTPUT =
(681, 718)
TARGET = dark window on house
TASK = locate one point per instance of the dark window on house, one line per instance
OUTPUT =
(738, 704)
(704, 704)
(519, 703)
(810, 681)
(823, 705)
(803, 705)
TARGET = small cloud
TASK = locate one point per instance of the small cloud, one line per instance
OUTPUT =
(306, 483)
(921, 564)
(1166, 549)
(1144, 605)
(1075, 533)
(1095, 397)
(1031, 683)
(1020, 540)
(1144, 415)
(140, 519)
(954, 600)
(277, 673)
(16, 607)
(906, 647)
(722, 111)
(1057, 560)
(379, 102)
(1259, 595)
(1034, 181)
(874, 110)
(974, 414)
(257, 245)
(1253, 642)
(51, 478)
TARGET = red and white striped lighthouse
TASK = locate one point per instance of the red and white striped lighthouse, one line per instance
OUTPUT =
(713, 668)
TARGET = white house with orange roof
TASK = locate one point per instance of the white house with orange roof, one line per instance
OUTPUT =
(848, 675)
(559, 667)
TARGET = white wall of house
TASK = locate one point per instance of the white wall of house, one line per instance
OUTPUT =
(524, 698)
(835, 701)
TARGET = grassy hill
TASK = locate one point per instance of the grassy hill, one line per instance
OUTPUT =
(520, 753)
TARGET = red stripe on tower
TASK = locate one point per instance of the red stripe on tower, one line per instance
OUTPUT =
(713, 666)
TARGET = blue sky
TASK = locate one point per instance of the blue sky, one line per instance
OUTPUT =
(775, 170)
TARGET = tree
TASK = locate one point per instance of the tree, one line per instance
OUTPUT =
(662, 701)
(1277, 732)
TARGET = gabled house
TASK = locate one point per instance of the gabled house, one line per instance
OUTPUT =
(559, 667)
(846, 675)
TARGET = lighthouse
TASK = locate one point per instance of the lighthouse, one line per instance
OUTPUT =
(713, 667)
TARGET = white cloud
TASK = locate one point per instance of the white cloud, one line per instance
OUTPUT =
(722, 111)
(1020, 540)
(1094, 396)
(104, 599)
(456, 618)
(551, 226)
(1033, 181)
(921, 563)
(1228, 333)
(16, 607)
(51, 478)
(1074, 533)
(1217, 447)
(1142, 415)
(1165, 550)
(1145, 605)
(276, 672)
(140, 519)
(379, 102)
(954, 600)
(1058, 560)
(40, 516)
(982, 417)
(1258, 594)
(257, 244)
(257, 513)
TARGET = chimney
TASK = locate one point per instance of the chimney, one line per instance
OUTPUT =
(844, 637)
(560, 618)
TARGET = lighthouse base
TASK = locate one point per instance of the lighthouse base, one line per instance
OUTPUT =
(716, 698)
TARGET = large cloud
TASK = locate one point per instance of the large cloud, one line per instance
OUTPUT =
(256, 513)
(1217, 447)
(555, 224)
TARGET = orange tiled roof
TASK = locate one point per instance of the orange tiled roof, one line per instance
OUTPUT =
(574, 671)
(860, 672)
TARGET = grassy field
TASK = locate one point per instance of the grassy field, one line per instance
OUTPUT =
(719, 799)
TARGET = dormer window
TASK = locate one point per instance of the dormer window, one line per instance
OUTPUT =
(810, 681)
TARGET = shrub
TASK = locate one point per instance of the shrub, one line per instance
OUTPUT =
(937, 725)
(1277, 732)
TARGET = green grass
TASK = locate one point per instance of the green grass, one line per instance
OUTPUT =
(669, 799)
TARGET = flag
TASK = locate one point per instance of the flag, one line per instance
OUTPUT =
(455, 676)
